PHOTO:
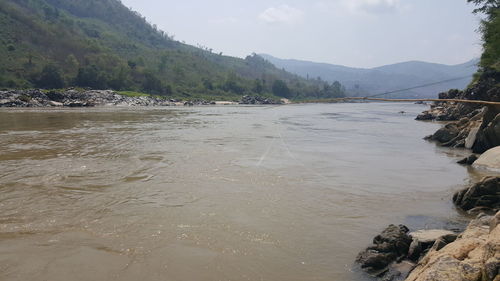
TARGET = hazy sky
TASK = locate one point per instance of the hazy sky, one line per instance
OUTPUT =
(360, 33)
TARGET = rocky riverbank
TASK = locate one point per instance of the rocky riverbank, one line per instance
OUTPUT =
(472, 126)
(90, 98)
(441, 255)
(75, 98)
(473, 256)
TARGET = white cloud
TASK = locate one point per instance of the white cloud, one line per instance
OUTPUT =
(373, 6)
(282, 14)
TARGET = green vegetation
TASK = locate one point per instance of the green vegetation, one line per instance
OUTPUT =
(490, 29)
(50, 78)
(101, 44)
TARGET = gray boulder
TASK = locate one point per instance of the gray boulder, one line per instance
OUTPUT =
(490, 160)
(488, 135)
(485, 194)
(424, 240)
(388, 247)
(468, 160)
(446, 134)
(257, 100)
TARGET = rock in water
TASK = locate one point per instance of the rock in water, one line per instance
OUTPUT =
(489, 133)
(424, 116)
(468, 160)
(446, 134)
(430, 235)
(399, 271)
(471, 137)
(474, 256)
(423, 240)
(489, 160)
(461, 133)
(389, 246)
(485, 193)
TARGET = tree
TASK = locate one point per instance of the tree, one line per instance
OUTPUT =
(90, 76)
(72, 62)
(140, 61)
(151, 83)
(232, 85)
(337, 86)
(257, 86)
(487, 6)
(51, 13)
(162, 66)
(179, 73)
(50, 78)
(132, 64)
(167, 90)
(490, 29)
(30, 59)
(281, 89)
(207, 83)
(119, 79)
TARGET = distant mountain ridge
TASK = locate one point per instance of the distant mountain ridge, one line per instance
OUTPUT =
(368, 81)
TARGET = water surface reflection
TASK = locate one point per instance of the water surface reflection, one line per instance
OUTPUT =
(213, 193)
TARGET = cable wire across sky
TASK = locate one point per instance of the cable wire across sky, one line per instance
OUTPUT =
(420, 86)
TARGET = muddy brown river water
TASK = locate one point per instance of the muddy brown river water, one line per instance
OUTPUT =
(214, 193)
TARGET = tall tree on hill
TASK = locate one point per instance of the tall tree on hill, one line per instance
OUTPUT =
(50, 78)
(280, 88)
(90, 76)
(151, 83)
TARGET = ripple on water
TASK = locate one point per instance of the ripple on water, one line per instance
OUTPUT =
(273, 193)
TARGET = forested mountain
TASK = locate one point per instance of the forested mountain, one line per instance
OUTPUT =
(102, 44)
(363, 81)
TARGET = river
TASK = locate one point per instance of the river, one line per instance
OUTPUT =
(214, 193)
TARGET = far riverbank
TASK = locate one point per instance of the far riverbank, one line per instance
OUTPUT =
(91, 98)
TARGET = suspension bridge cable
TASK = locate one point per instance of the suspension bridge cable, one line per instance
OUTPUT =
(420, 86)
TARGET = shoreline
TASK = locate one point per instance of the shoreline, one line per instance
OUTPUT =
(439, 254)
(36, 98)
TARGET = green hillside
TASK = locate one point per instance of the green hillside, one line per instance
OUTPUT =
(102, 44)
